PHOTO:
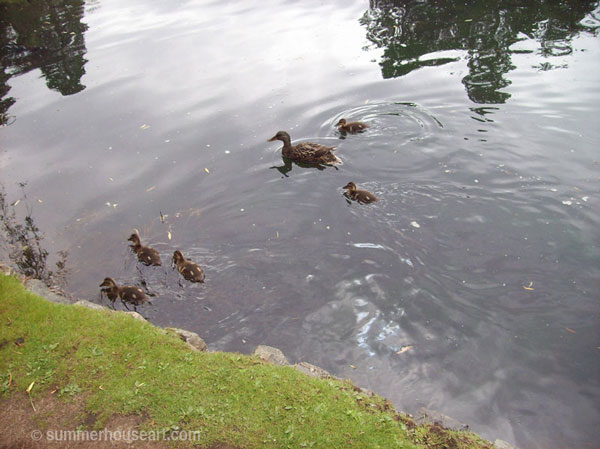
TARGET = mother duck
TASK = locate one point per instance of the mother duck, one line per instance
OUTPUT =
(306, 152)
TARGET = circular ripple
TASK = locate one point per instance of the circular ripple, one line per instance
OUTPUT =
(390, 120)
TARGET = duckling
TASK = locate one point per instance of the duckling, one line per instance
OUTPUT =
(191, 271)
(306, 152)
(145, 254)
(128, 294)
(362, 196)
(353, 127)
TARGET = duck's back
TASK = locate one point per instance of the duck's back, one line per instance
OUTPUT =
(148, 256)
(309, 152)
(191, 271)
(363, 196)
(133, 295)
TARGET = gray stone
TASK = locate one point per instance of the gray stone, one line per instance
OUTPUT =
(137, 316)
(312, 370)
(270, 354)
(191, 338)
(501, 444)
(6, 269)
(426, 416)
(366, 391)
(39, 288)
(89, 305)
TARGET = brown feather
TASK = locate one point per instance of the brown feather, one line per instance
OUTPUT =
(362, 196)
(190, 271)
(306, 152)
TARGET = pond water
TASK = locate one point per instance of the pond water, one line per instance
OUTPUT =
(470, 288)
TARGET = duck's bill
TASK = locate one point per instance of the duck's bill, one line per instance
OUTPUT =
(272, 139)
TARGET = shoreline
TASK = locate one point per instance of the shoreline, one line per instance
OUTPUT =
(268, 354)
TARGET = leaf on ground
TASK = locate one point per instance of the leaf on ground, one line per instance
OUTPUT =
(571, 330)
(30, 387)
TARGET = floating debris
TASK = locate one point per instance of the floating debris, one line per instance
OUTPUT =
(150, 189)
(414, 224)
(529, 287)
(403, 349)
(144, 126)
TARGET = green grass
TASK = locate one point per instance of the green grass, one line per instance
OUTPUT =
(114, 364)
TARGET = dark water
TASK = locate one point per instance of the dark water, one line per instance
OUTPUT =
(482, 255)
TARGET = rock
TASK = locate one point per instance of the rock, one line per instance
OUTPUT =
(39, 288)
(6, 269)
(137, 316)
(90, 305)
(312, 370)
(501, 444)
(270, 354)
(426, 416)
(366, 391)
(192, 339)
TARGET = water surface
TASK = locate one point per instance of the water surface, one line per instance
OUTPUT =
(471, 288)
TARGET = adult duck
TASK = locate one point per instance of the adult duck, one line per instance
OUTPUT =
(344, 126)
(362, 196)
(190, 271)
(306, 152)
(145, 254)
(127, 293)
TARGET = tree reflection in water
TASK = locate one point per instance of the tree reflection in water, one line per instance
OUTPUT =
(45, 35)
(411, 33)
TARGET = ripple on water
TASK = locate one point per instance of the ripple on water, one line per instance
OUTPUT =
(409, 120)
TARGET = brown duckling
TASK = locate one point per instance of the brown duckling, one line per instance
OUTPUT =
(351, 127)
(362, 196)
(191, 271)
(145, 254)
(306, 152)
(128, 294)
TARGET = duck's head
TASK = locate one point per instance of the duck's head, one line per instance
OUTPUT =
(108, 282)
(178, 257)
(281, 135)
(350, 186)
(135, 238)
(342, 122)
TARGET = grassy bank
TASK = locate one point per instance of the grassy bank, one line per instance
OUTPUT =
(110, 365)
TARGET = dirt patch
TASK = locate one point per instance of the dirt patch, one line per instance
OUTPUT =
(54, 422)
